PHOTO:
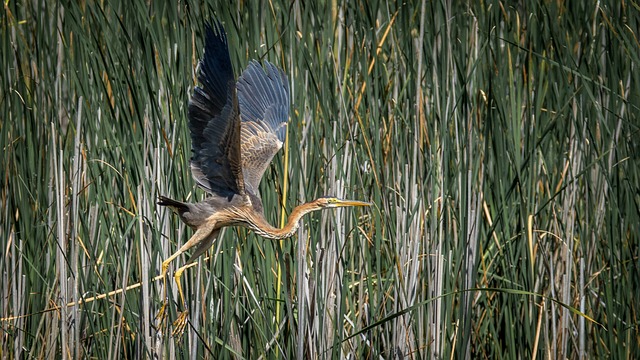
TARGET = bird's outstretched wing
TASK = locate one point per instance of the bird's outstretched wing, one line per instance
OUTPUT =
(264, 110)
(214, 120)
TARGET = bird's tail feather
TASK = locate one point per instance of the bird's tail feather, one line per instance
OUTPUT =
(174, 204)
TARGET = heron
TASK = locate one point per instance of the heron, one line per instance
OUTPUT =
(236, 129)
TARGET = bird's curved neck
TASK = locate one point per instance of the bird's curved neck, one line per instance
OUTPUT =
(261, 227)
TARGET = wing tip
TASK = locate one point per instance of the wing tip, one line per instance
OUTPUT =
(216, 46)
(213, 71)
(215, 29)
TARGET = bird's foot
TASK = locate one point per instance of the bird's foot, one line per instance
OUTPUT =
(161, 317)
(180, 324)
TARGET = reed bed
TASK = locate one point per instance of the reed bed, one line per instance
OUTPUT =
(498, 143)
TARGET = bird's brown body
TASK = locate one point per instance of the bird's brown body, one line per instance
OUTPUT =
(236, 129)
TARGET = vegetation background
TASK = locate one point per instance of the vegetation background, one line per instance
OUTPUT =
(497, 140)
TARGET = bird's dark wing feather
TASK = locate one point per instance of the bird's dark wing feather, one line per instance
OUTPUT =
(264, 109)
(214, 122)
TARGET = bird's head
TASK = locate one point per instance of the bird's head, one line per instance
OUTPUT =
(332, 202)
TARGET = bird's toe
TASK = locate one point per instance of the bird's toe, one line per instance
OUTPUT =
(180, 324)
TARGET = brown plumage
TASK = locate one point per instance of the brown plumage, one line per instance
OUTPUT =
(236, 129)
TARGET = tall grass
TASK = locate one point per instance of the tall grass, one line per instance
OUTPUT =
(498, 144)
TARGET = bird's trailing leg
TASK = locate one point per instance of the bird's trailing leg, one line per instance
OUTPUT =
(162, 313)
(203, 237)
(181, 322)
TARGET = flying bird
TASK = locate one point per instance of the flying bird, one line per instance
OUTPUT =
(236, 129)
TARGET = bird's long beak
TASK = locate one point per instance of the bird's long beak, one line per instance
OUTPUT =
(352, 203)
